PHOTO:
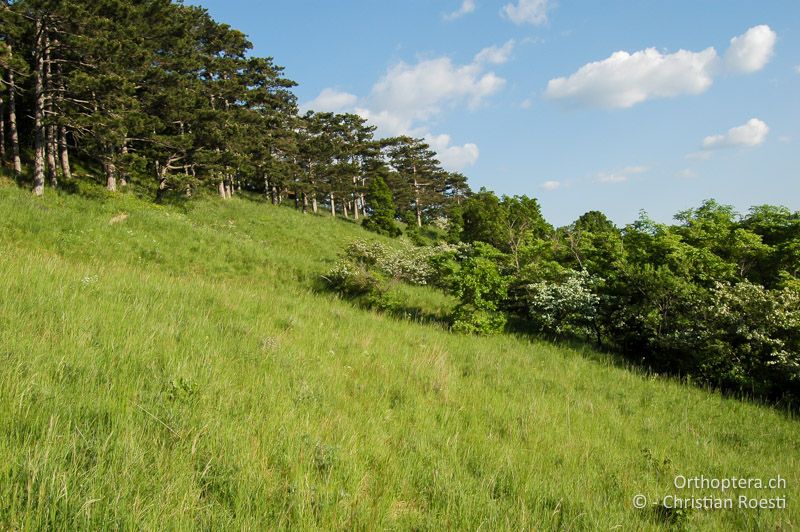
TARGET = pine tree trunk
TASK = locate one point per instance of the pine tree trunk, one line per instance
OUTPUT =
(416, 203)
(62, 142)
(314, 203)
(161, 173)
(50, 129)
(355, 198)
(12, 121)
(39, 133)
(123, 177)
(305, 203)
(344, 209)
(333, 206)
(222, 189)
(274, 195)
(66, 172)
(111, 175)
(2, 130)
(52, 165)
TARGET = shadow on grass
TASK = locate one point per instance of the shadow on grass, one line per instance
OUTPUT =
(610, 355)
(385, 304)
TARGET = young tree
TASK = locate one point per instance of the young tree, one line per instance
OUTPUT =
(381, 208)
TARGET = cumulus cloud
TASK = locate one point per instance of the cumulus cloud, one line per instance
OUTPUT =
(752, 50)
(551, 185)
(527, 12)
(331, 100)
(620, 176)
(406, 99)
(386, 122)
(748, 135)
(450, 156)
(420, 91)
(626, 79)
(467, 7)
(495, 55)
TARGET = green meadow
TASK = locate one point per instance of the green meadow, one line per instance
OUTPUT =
(170, 367)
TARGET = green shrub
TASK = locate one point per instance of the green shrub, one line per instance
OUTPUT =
(475, 279)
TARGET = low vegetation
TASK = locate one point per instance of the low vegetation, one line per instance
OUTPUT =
(175, 367)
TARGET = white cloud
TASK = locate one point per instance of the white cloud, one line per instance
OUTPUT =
(797, 69)
(785, 139)
(331, 100)
(551, 185)
(408, 97)
(467, 7)
(751, 134)
(388, 123)
(419, 91)
(752, 50)
(686, 173)
(624, 79)
(620, 176)
(527, 103)
(495, 55)
(453, 157)
(527, 12)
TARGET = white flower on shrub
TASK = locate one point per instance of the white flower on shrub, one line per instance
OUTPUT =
(569, 306)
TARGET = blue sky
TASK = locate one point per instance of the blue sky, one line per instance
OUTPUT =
(614, 106)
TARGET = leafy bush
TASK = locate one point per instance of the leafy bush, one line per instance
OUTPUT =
(352, 278)
(475, 278)
(567, 307)
(471, 319)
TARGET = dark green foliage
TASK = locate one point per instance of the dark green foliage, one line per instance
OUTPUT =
(158, 95)
(382, 209)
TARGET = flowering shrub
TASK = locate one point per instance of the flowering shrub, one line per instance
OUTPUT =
(366, 271)
(409, 264)
(566, 307)
(751, 337)
(352, 278)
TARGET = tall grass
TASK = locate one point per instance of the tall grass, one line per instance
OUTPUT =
(175, 367)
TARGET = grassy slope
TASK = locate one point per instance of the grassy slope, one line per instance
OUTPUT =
(177, 369)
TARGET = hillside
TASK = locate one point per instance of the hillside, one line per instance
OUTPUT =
(171, 367)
